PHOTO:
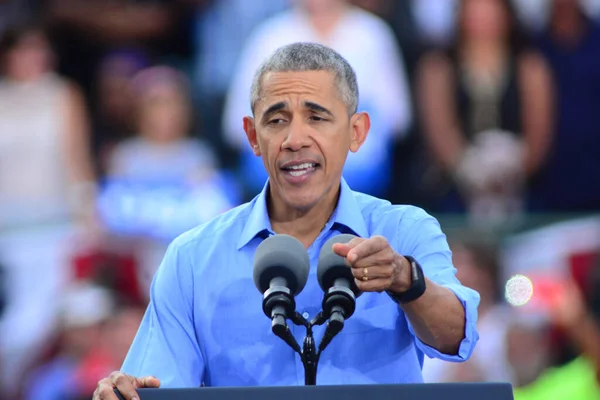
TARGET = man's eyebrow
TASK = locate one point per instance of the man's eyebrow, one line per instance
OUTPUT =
(273, 109)
(318, 108)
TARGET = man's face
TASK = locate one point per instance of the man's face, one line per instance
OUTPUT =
(303, 132)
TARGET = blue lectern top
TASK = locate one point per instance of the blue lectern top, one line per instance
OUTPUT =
(433, 391)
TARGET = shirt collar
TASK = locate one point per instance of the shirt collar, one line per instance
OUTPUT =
(347, 216)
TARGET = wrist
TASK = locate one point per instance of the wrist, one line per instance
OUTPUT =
(415, 288)
(404, 279)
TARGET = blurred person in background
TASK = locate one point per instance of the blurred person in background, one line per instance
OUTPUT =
(577, 312)
(485, 110)
(162, 149)
(220, 29)
(436, 19)
(172, 179)
(368, 43)
(84, 309)
(477, 267)
(47, 188)
(110, 351)
(112, 116)
(571, 44)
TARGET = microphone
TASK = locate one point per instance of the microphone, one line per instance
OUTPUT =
(281, 267)
(337, 281)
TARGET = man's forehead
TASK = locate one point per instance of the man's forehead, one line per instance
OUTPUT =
(305, 86)
(297, 82)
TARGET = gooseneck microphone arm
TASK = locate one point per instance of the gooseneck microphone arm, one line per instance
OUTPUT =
(310, 358)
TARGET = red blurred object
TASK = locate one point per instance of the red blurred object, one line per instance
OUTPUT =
(117, 271)
(547, 292)
(582, 265)
(94, 367)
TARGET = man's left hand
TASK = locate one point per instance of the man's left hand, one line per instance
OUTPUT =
(375, 264)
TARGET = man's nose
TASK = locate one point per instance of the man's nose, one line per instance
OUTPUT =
(297, 136)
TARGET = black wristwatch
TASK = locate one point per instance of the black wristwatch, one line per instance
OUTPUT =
(417, 287)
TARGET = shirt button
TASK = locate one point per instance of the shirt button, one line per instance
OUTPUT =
(305, 315)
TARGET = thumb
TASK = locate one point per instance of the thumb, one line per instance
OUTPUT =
(342, 249)
(148, 382)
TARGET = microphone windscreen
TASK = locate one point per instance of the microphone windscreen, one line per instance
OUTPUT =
(332, 266)
(281, 256)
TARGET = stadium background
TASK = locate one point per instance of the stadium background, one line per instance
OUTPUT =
(120, 128)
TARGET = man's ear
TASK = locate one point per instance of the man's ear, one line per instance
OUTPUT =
(250, 129)
(360, 123)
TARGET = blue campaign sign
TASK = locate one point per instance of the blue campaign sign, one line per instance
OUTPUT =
(164, 209)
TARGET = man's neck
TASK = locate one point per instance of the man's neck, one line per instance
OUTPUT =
(304, 225)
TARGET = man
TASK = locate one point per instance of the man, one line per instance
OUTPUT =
(205, 324)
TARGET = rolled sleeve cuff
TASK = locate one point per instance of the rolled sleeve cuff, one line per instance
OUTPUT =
(469, 300)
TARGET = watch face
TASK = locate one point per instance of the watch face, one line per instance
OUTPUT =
(415, 272)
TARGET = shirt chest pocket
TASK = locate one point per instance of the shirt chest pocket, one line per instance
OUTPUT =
(383, 316)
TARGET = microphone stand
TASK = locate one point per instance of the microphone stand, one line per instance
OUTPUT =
(309, 354)
(276, 302)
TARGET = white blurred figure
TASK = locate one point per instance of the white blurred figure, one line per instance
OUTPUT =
(46, 187)
(370, 47)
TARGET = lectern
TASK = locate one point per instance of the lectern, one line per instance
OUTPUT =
(431, 391)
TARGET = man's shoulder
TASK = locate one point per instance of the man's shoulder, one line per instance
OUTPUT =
(220, 229)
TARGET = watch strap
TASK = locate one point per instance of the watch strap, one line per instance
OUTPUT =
(417, 287)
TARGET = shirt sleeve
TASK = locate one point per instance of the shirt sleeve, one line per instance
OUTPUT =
(166, 345)
(428, 245)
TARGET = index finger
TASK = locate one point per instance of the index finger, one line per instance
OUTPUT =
(342, 249)
(366, 248)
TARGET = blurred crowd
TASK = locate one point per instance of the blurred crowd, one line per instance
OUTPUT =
(121, 127)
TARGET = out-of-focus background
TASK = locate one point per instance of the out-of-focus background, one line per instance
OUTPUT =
(120, 128)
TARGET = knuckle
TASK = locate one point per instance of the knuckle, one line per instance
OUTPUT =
(355, 241)
(103, 392)
(121, 379)
(114, 375)
(380, 239)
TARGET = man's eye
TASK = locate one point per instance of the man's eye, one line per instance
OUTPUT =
(317, 118)
(276, 121)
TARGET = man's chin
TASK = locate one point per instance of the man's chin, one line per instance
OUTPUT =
(301, 203)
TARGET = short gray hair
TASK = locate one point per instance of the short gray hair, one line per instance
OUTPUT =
(298, 57)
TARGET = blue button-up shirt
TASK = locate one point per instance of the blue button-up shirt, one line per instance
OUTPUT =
(205, 324)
